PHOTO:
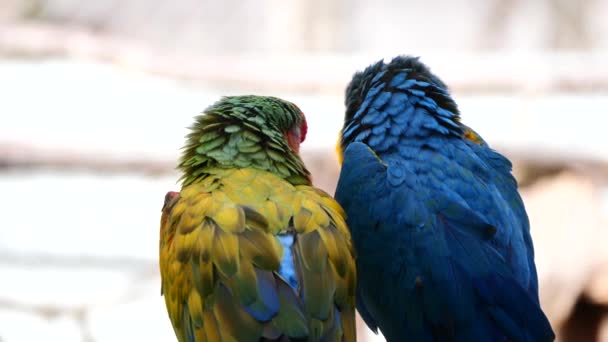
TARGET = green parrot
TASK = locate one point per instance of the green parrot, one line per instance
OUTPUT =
(249, 249)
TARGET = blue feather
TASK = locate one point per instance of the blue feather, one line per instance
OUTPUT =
(287, 269)
(267, 305)
(378, 76)
(363, 135)
(398, 79)
(407, 84)
(441, 233)
(381, 100)
(374, 117)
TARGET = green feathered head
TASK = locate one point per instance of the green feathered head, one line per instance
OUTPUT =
(250, 131)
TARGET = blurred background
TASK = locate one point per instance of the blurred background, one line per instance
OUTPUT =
(96, 95)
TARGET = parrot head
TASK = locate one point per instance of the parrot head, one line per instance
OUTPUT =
(388, 102)
(260, 132)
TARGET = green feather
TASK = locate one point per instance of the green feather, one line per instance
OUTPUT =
(232, 129)
(244, 131)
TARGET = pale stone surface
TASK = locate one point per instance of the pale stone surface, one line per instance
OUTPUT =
(139, 317)
(82, 214)
(352, 26)
(62, 288)
(117, 113)
(16, 326)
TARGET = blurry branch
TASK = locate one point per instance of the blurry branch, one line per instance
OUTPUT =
(530, 165)
(46, 311)
(570, 24)
(20, 156)
(31, 260)
(478, 72)
(78, 313)
(495, 23)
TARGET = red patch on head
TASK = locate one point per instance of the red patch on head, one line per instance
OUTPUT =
(297, 135)
(169, 197)
(303, 129)
(293, 140)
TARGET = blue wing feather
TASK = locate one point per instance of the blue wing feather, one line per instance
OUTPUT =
(430, 237)
(267, 305)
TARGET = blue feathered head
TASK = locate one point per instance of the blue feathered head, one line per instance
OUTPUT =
(388, 102)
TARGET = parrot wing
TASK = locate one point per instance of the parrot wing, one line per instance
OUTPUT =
(225, 271)
(439, 270)
(515, 212)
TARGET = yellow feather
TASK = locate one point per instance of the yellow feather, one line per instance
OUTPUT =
(339, 151)
(284, 213)
(260, 248)
(202, 274)
(255, 220)
(244, 283)
(211, 328)
(221, 229)
(301, 221)
(243, 176)
(205, 239)
(200, 335)
(226, 252)
(348, 323)
(333, 206)
(200, 204)
(320, 217)
(230, 219)
(188, 222)
(250, 195)
(195, 307)
(331, 246)
(190, 191)
(218, 200)
(261, 186)
(271, 212)
(178, 209)
(186, 246)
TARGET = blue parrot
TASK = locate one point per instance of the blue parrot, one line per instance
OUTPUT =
(440, 231)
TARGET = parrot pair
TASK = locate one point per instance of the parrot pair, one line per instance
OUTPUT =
(427, 235)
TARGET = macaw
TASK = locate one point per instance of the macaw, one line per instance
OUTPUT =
(249, 249)
(440, 231)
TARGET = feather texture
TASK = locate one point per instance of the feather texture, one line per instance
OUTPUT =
(442, 237)
(252, 253)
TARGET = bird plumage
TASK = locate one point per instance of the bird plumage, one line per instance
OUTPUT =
(249, 249)
(441, 234)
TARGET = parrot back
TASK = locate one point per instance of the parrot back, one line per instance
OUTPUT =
(246, 256)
